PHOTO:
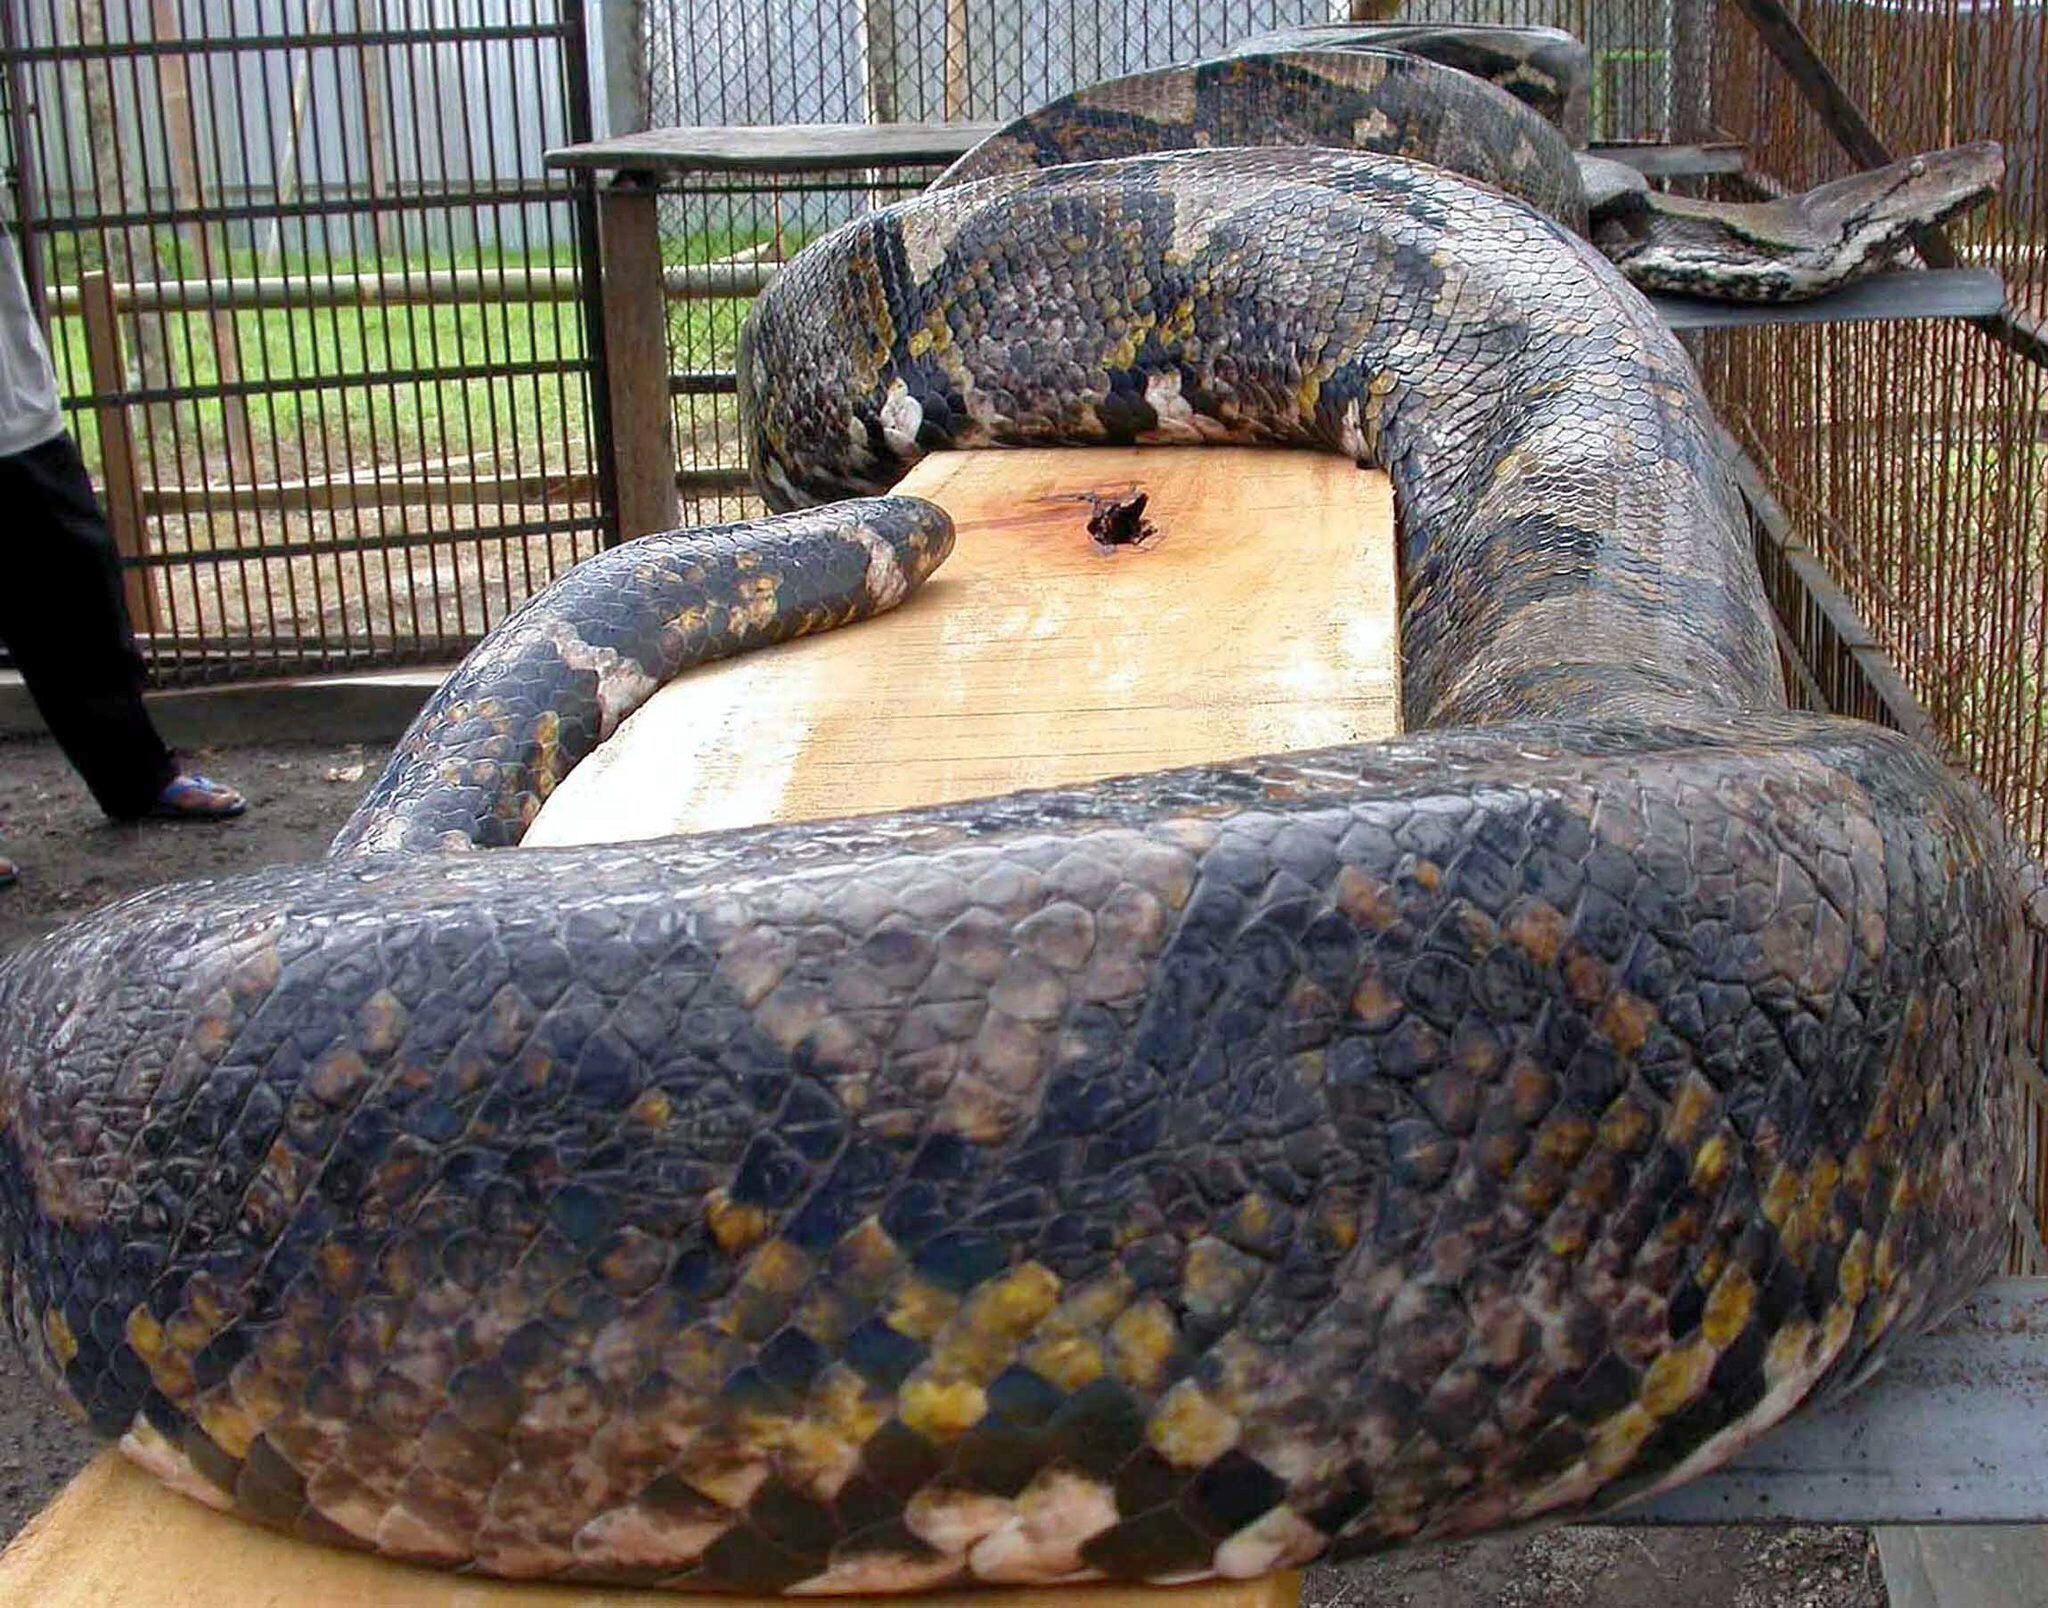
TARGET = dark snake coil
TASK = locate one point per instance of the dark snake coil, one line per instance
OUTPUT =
(1207, 1171)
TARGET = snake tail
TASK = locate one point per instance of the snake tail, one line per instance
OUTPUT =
(543, 689)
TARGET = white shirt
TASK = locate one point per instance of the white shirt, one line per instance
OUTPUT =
(29, 414)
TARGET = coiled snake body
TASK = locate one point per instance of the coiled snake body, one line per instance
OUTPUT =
(1202, 1172)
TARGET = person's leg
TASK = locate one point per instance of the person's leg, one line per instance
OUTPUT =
(64, 621)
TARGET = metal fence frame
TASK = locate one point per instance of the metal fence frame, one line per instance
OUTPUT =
(313, 467)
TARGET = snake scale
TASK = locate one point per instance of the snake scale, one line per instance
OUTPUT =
(1203, 1172)
(1504, 106)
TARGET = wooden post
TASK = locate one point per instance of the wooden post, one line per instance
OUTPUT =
(1692, 53)
(118, 176)
(119, 486)
(878, 29)
(621, 35)
(288, 168)
(958, 84)
(181, 124)
(636, 358)
(376, 135)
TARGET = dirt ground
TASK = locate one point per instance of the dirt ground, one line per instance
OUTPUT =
(73, 860)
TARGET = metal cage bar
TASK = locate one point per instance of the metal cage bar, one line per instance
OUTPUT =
(318, 311)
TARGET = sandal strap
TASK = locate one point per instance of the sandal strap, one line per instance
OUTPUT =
(191, 794)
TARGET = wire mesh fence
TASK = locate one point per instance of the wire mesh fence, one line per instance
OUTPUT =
(829, 61)
(316, 310)
(1915, 456)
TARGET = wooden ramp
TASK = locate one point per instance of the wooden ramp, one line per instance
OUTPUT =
(1259, 615)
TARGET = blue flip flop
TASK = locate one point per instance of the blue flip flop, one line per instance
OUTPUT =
(191, 797)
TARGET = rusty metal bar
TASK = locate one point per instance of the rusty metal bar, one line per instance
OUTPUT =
(351, 546)
(525, 193)
(336, 39)
(406, 289)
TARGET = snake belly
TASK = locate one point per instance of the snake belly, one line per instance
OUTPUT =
(1198, 1173)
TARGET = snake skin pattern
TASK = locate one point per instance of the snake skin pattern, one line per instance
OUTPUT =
(1361, 98)
(1547, 69)
(1199, 1173)
(544, 689)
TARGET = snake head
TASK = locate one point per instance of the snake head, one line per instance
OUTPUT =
(1880, 209)
(1795, 247)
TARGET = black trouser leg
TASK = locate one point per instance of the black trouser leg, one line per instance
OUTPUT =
(65, 623)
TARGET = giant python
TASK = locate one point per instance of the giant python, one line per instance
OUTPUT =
(1203, 1172)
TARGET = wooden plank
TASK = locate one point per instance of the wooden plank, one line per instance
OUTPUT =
(120, 486)
(1955, 1429)
(115, 1538)
(636, 360)
(880, 33)
(844, 147)
(1033, 658)
(1883, 298)
(1965, 1566)
(774, 148)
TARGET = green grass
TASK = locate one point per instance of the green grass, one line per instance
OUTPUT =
(383, 420)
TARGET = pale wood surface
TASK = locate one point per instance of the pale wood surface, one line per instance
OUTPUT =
(1262, 617)
(116, 1539)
